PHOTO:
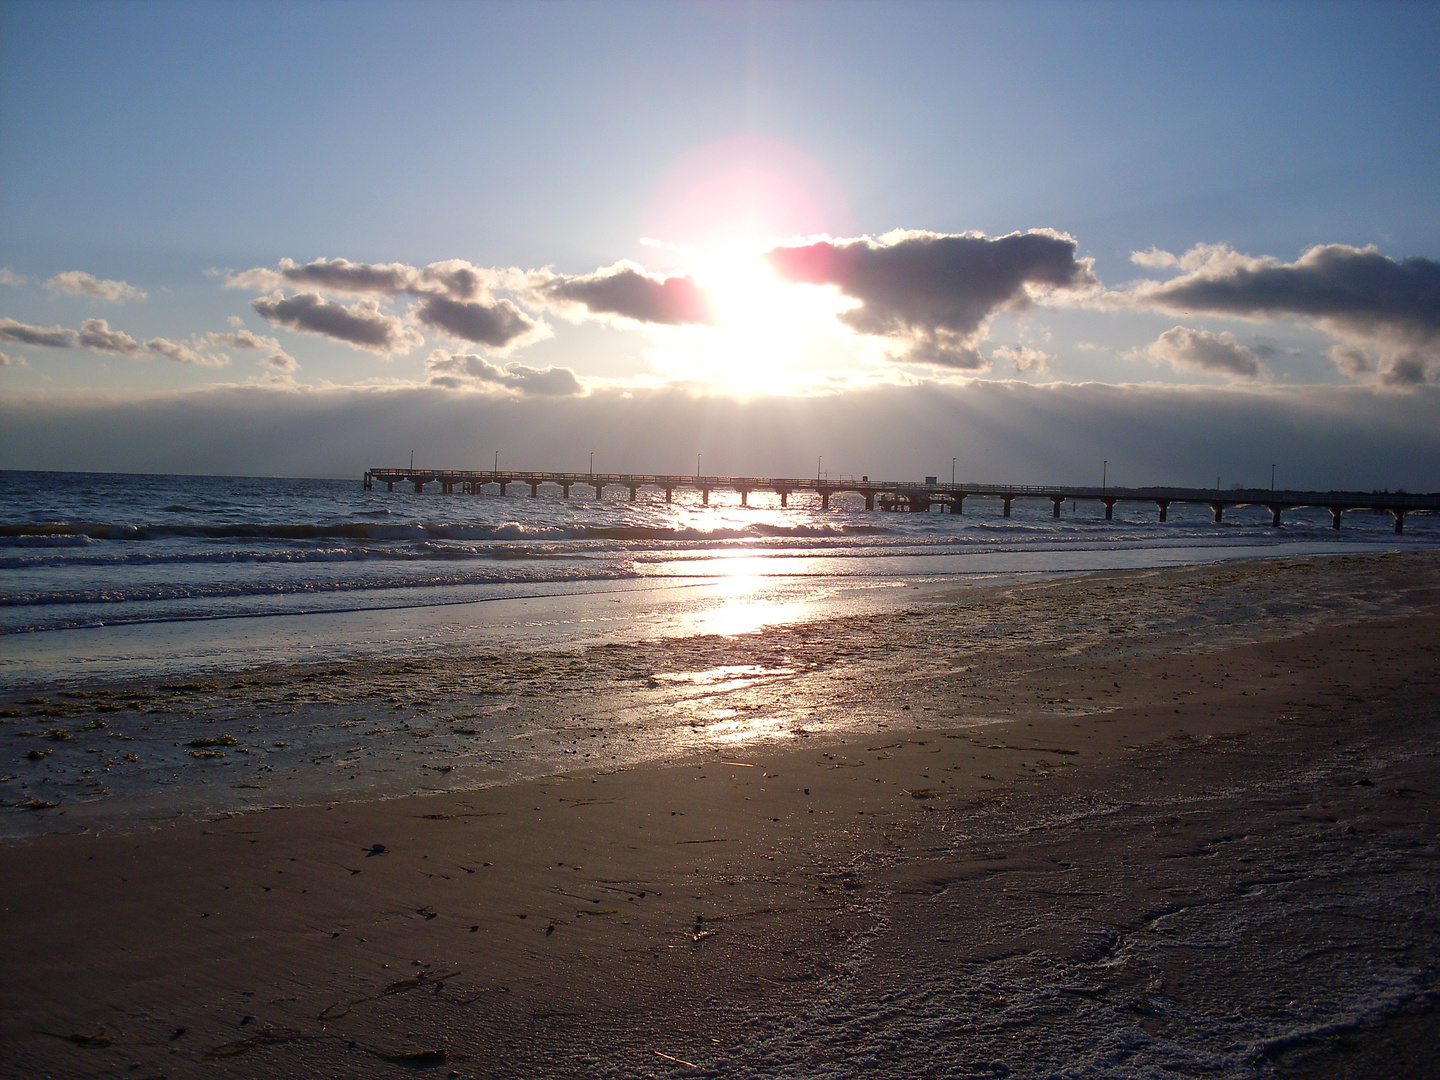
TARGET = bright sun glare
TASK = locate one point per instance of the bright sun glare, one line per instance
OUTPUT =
(764, 324)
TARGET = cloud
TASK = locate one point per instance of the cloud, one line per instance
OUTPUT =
(626, 291)
(1153, 257)
(930, 294)
(12, 361)
(455, 278)
(1025, 359)
(361, 325)
(1200, 350)
(1385, 313)
(330, 275)
(9, 277)
(1330, 436)
(51, 337)
(79, 283)
(183, 354)
(456, 371)
(96, 334)
(499, 324)
(276, 357)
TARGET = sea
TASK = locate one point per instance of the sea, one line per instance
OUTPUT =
(109, 575)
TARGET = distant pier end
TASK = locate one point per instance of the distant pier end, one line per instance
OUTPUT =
(907, 496)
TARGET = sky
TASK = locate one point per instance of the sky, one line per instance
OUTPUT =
(1173, 240)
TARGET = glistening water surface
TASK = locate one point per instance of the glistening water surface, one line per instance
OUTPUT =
(121, 575)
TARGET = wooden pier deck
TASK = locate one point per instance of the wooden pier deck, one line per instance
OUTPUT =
(908, 496)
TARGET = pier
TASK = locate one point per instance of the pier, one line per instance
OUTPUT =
(906, 496)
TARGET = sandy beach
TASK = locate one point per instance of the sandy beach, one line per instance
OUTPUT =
(1156, 823)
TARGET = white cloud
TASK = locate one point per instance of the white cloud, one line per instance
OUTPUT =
(454, 371)
(79, 283)
(12, 361)
(240, 338)
(1153, 257)
(1200, 350)
(9, 277)
(183, 354)
(96, 334)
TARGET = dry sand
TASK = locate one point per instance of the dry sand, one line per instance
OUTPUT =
(1199, 845)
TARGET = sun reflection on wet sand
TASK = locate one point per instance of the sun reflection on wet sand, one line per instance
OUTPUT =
(742, 603)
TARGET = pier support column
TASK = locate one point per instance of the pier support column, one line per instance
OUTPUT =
(1275, 516)
(669, 494)
(367, 481)
(869, 500)
(1335, 518)
(389, 486)
(1109, 509)
(825, 500)
(1399, 521)
(534, 490)
(1007, 500)
(633, 489)
(1164, 505)
(705, 496)
(599, 492)
(744, 496)
(419, 487)
(1219, 509)
(1056, 501)
(564, 491)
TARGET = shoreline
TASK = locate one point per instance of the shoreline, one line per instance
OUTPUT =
(317, 732)
(1045, 892)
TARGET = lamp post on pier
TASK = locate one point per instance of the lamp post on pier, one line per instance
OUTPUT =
(592, 462)
(1104, 474)
(1272, 477)
(952, 472)
(497, 461)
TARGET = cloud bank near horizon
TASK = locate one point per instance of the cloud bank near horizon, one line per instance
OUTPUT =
(1359, 437)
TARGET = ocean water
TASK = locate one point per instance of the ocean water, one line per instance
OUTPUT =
(114, 574)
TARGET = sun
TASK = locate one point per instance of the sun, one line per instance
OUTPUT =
(763, 324)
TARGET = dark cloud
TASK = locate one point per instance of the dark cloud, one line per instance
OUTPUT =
(930, 294)
(456, 371)
(51, 337)
(499, 324)
(362, 325)
(1385, 312)
(626, 291)
(1200, 350)
(96, 334)
(79, 283)
(183, 354)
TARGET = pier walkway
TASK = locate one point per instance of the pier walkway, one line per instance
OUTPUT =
(908, 496)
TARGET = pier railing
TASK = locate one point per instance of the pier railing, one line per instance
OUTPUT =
(902, 495)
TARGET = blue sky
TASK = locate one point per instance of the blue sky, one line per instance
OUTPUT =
(166, 146)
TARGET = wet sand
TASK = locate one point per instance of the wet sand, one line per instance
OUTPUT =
(1202, 843)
